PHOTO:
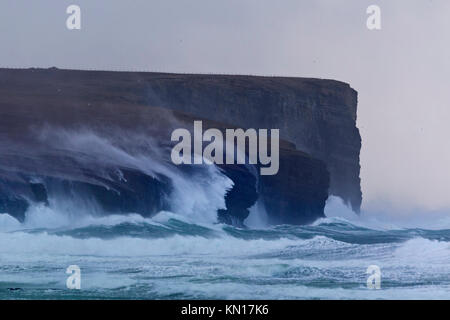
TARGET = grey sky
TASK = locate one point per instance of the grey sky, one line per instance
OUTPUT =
(401, 72)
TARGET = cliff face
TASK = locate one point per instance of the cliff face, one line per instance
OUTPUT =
(317, 115)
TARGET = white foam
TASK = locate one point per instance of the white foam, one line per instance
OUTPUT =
(19, 243)
(8, 223)
(423, 251)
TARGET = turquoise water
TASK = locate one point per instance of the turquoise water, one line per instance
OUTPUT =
(170, 257)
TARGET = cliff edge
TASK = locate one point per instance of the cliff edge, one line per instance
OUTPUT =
(318, 116)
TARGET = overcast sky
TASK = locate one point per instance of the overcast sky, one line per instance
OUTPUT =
(402, 72)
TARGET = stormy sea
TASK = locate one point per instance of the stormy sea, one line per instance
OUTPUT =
(93, 206)
(176, 256)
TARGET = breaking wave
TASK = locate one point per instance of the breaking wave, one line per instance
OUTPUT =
(183, 253)
(173, 256)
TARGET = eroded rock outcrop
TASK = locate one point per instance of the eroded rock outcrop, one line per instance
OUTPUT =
(317, 115)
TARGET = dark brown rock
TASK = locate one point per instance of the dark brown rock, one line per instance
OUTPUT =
(317, 115)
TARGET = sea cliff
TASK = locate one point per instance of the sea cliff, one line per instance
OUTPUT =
(319, 151)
